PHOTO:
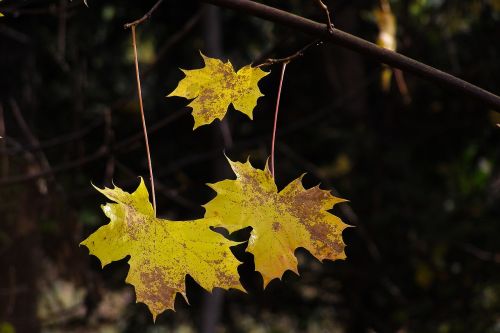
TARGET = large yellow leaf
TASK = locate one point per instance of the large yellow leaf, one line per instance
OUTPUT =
(161, 252)
(281, 221)
(215, 86)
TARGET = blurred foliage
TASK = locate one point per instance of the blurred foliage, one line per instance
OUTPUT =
(422, 178)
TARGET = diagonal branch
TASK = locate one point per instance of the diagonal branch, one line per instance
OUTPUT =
(362, 46)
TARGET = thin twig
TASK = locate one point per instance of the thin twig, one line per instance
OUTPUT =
(283, 68)
(298, 54)
(330, 25)
(141, 106)
(145, 17)
(361, 46)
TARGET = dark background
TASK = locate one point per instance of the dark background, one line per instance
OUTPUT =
(422, 176)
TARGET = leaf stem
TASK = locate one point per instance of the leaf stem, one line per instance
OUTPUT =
(141, 106)
(283, 68)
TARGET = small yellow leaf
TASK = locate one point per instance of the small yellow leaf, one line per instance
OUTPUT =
(217, 85)
(161, 252)
(281, 221)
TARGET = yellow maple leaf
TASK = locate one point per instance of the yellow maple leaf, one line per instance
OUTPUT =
(215, 86)
(161, 252)
(281, 221)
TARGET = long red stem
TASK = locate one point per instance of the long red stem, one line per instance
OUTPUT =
(139, 92)
(283, 68)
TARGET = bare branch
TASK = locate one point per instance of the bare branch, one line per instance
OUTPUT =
(362, 46)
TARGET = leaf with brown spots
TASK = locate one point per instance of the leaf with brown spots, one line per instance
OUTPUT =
(161, 252)
(214, 87)
(281, 221)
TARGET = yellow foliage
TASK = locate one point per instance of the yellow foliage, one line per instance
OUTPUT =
(386, 22)
(281, 221)
(161, 252)
(215, 86)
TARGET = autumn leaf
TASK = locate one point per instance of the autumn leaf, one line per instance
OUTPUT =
(161, 252)
(215, 86)
(281, 221)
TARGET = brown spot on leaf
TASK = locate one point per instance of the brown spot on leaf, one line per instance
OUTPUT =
(276, 226)
(157, 293)
(226, 280)
(319, 231)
